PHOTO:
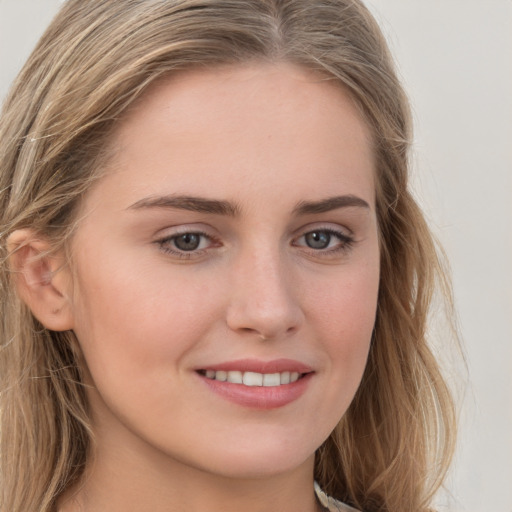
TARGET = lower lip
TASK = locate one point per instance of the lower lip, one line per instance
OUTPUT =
(259, 397)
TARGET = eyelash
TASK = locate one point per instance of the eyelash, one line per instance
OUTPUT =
(186, 255)
(346, 243)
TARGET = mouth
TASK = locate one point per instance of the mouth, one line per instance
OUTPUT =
(253, 379)
(256, 384)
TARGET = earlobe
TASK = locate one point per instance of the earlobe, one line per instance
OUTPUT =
(42, 279)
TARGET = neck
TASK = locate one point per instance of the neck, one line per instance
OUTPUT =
(124, 481)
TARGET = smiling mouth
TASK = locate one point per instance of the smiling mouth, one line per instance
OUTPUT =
(253, 379)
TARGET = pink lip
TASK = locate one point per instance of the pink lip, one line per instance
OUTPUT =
(254, 365)
(260, 397)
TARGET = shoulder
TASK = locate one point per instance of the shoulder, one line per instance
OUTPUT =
(331, 504)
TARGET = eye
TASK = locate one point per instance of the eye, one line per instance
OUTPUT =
(186, 244)
(318, 239)
(187, 241)
(325, 240)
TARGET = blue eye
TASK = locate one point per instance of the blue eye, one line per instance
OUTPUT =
(318, 239)
(186, 244)
(326, 241)
(187, 241)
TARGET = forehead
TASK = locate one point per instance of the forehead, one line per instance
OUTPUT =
(215, 90)
(244, 124)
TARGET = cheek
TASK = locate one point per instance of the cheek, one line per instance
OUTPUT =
(344, 311)
(137, 319)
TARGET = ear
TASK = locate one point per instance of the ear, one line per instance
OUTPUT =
(42, 279)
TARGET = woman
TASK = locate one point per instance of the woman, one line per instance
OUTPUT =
(216, 282)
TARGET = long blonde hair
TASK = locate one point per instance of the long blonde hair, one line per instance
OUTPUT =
(392, 448)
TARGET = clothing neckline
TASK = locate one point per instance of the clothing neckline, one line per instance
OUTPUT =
(330, 504)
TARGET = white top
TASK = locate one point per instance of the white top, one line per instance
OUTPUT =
(331, 504)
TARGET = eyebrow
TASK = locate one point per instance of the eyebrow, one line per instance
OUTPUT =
(329, 204)
(190, 203)
(218, 207)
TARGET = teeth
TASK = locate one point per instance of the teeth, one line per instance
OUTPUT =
(271, 379)
(253, 378)
(235, 377)
(285, 378)
(221, 376)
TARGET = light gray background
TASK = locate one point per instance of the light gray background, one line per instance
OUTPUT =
(455, 57)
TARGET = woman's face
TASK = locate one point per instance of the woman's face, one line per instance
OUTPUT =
(234, 236)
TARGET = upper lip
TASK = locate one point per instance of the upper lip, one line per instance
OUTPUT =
(257, 366)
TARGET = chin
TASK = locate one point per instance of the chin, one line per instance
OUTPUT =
(269, 461)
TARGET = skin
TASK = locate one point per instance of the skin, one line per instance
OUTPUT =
(264, 138)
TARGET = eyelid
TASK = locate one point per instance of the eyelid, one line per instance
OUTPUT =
(331, 227)
(344, 235)
(182, 228)
(164, 241)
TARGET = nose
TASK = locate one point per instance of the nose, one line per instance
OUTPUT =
(264, 301)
